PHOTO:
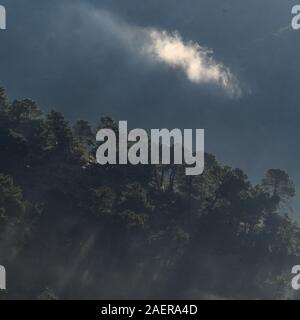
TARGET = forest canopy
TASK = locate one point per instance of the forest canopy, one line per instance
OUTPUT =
(70, 228)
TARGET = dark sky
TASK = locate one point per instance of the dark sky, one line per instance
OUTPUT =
(82, 58)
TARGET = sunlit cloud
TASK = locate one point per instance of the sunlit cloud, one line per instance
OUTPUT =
(158, 46)
(194, 60)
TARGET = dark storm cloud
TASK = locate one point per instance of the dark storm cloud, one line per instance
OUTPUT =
(61, 57)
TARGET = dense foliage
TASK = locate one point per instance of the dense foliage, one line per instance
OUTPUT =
(70, 228)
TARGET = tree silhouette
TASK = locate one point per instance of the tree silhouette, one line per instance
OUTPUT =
(81, 230)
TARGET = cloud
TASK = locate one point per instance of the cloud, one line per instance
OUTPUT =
(194, 60)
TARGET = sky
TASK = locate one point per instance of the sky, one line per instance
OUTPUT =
(227, 66)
